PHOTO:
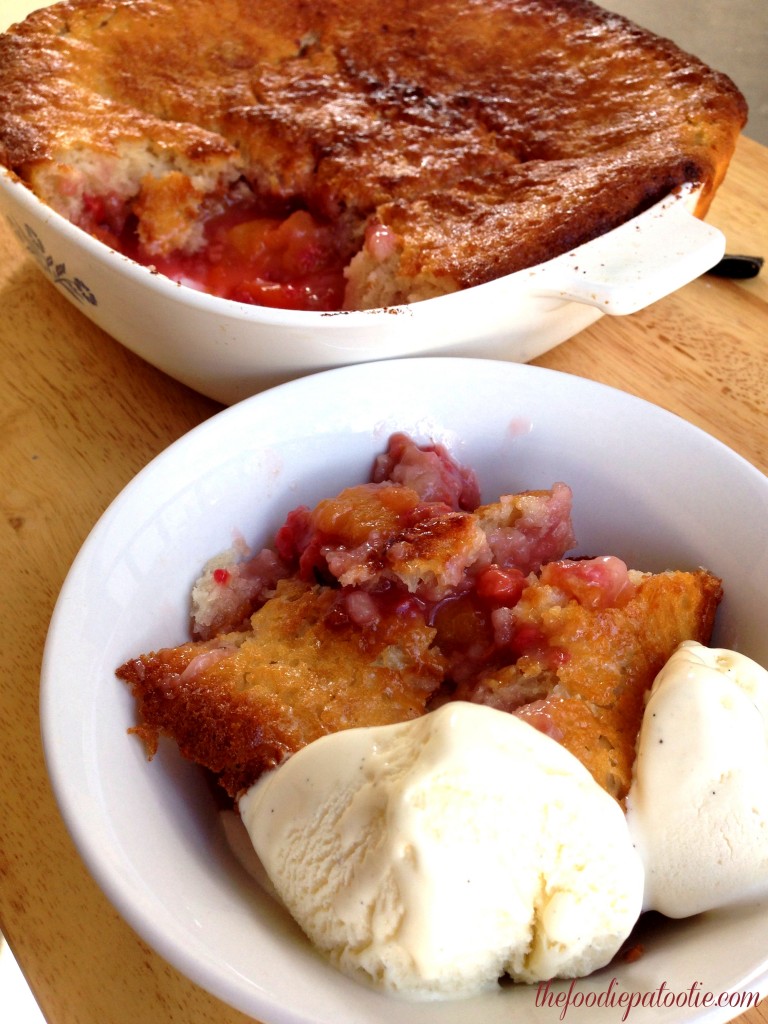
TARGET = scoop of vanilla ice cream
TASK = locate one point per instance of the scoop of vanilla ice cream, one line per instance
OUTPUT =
(434, 856)
(698, 804)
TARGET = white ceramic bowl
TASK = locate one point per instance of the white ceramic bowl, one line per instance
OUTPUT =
(229, 350)
(648, 487)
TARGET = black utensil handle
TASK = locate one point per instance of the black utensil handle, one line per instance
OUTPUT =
(737, 267)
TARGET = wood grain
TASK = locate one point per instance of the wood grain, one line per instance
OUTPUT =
(80, 416)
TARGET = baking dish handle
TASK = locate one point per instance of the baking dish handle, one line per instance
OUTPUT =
(637, 263)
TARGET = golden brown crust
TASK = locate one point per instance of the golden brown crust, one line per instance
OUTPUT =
(239, 704)
(386, 600)
(488, 136)
(387, 531)
(589, 670)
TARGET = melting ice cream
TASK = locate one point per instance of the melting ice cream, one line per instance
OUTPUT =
(698, 804)
(434, 856)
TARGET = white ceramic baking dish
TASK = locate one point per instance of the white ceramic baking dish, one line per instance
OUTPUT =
(228, 350)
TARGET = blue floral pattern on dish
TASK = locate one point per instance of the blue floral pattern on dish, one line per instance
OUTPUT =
(57, 271)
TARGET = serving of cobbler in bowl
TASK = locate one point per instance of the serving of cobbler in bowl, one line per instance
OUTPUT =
(465, 604)
(301, 187)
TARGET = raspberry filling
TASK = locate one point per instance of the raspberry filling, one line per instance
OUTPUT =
(293, 261)
(289, 263)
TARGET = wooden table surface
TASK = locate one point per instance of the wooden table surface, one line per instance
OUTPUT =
(80, 416)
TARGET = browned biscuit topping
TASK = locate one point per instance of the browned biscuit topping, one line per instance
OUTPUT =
(449, 142)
